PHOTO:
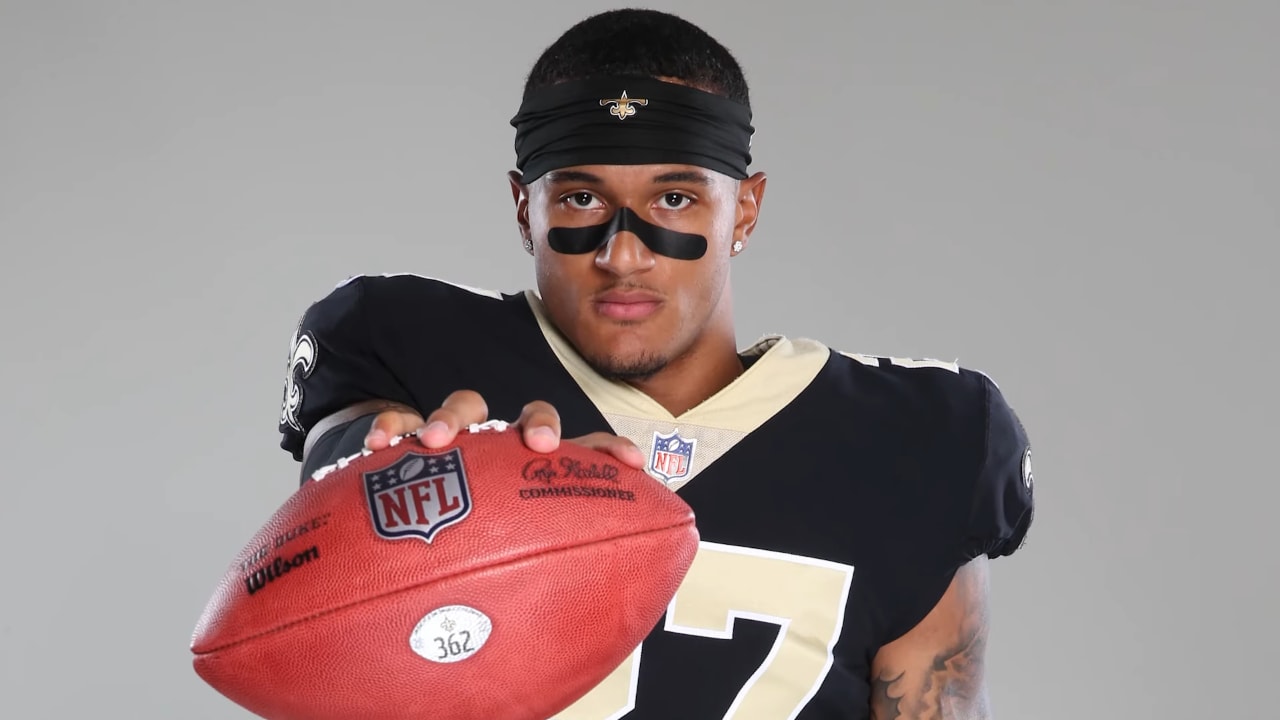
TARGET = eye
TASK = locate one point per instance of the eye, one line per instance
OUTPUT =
(675, 201)
(581, 200)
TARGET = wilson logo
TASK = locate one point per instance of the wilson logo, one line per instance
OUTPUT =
(278, 568)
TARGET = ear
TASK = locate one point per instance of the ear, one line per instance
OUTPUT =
(750, 198)
(520, 195)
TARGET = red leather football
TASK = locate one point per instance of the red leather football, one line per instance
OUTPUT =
(477, 582)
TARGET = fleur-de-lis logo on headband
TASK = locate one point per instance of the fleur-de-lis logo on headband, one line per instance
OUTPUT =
(623, 107)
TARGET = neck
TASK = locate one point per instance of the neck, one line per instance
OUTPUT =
(688, 380)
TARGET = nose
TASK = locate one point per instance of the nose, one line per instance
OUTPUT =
(624, 254)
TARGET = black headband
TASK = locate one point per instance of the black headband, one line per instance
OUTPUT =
(630, 121)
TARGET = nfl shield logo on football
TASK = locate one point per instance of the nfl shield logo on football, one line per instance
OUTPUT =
(672, 456)
(418, 495)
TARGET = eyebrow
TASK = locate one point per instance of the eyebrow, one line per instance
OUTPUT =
(586, 178)
(573, 176)
(682, 176)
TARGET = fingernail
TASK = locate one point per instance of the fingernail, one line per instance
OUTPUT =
(438, 427)
(375, 436)
(542, 431)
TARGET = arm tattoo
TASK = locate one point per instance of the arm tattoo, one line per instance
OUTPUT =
(951, 685)
(884, 706)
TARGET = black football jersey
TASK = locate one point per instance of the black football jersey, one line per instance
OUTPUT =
(835, 494)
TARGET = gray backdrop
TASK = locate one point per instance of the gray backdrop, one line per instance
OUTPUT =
(1079, 198)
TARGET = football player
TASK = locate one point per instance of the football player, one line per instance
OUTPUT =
(847, 504)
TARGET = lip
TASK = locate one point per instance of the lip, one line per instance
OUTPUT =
(627, 305)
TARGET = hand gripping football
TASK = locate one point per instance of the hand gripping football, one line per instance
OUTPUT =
(482, 581)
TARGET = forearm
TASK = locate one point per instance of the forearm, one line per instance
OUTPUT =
(342, 434)
(936, 672)
(948, 689)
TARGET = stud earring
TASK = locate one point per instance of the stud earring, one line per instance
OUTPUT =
(737, 246)
(528, 245)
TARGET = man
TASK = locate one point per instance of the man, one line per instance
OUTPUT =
(847, 504)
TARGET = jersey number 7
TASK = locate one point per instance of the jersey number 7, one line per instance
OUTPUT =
(804, 597)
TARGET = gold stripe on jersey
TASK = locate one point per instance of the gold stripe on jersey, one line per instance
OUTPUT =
(784, 369)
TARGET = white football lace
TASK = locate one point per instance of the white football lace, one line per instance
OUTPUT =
(495, 425)
(342, 463)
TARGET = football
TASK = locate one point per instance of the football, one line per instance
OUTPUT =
(474, 582)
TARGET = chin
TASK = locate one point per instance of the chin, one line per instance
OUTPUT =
(630, 367)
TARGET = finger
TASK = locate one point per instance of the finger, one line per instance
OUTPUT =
(389, 424)
(460, 409)
(539, 425)
(621, 448)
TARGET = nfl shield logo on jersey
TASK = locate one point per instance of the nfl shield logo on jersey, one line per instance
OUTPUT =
(418, 495)
(672, 456)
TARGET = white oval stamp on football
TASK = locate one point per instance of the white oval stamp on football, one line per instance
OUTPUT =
(450, 634)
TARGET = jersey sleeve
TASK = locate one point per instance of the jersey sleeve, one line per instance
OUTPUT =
(1003, 499)
(333, 363)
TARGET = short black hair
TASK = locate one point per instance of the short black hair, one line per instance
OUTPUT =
(641, 42)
